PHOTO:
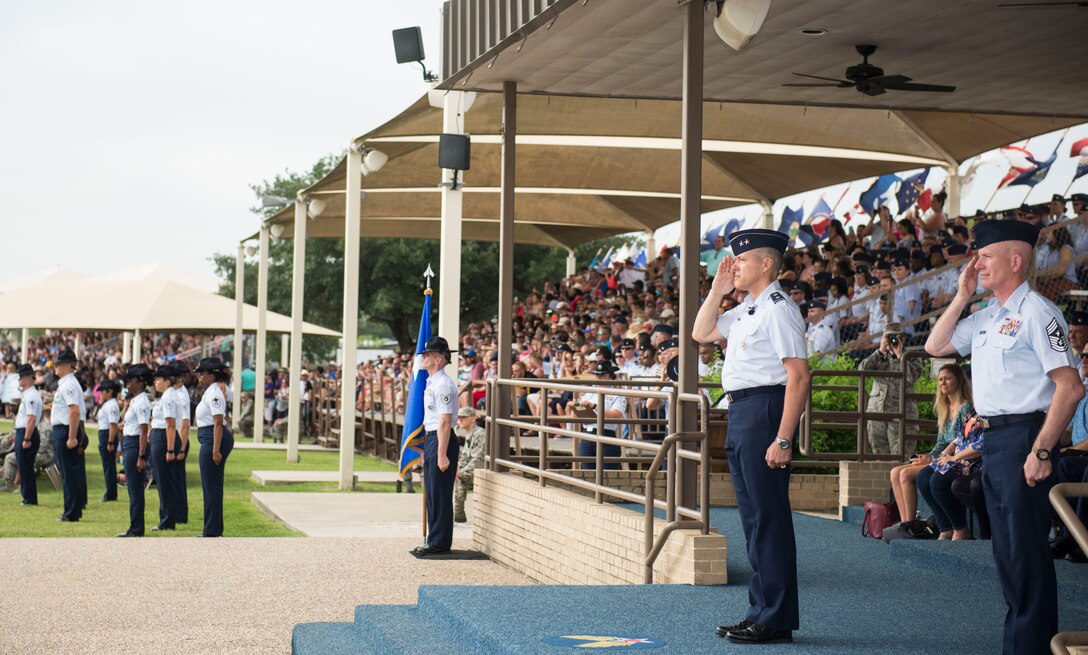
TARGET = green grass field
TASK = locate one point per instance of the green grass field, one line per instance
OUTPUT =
(242, 518)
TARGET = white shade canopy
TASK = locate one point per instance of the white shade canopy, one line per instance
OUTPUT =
(113, 305)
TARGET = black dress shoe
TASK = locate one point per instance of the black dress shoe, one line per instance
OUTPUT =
(27, 502)
(429, 550)
(106, 500)
(1076, 557)
(61, 519)
(130, 534)
(159, 528)
(754, 633)
(721, 630)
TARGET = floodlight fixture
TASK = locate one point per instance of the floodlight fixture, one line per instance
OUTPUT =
(315, 207)
(251, 250)
(373, 160)
(738, 21)
(408, 46)
(276, 230)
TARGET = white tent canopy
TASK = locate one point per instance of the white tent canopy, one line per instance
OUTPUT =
(111, 305)
(36, 278)
(158, 272)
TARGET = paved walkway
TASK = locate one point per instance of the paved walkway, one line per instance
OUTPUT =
(268, 478)
(200, 596)
(375, 515)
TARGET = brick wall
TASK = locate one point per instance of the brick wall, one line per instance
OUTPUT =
(807, 491)
(557, 536)
(862, 481)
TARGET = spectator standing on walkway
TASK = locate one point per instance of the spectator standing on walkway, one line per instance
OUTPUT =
(884, 434)
(471, 457)
(1017, 343)
(766, 379)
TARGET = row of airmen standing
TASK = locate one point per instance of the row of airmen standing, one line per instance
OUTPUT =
(149, 434)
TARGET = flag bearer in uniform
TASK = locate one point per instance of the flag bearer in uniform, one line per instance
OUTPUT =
(1017, 343)
(136, 432)
(65, 418)
(181, 424)
(27, 438)
(766, 380)
(216, 440)
(162, 447)
(109, 433)
(440, 447)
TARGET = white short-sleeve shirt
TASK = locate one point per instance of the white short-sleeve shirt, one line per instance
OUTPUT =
(108, 414)
(213, 403)
(69, 392)
(138, 413)
(822, 337)
(761, 332)
(618, 403)
(31, 405)
(184, 409)
(1013, 347)
(440, 397)
(166, 407)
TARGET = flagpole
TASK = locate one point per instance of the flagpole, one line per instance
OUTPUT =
(428, 275)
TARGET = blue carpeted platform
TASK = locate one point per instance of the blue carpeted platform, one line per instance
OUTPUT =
(857, 596)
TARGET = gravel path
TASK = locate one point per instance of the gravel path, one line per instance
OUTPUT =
(219, 595)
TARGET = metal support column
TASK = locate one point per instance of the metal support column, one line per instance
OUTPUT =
(262, 331)
(449, 263)
(506, 260)
(137, 347)
(298, 280)
(352, 216)
(691, 193)
(952, 206)
(239, 361)
(24, 353)
(572, 263)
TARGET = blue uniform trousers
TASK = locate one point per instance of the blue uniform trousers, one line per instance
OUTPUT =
(211, 477)
(68, 463)
(134, 483)
(1020, 522)
(764, 504)
(181, 484)
(164, 479)
(24, 459)
(81, 465)
(109, 464)
(439, 488)
(588, 448)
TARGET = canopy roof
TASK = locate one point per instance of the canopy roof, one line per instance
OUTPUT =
(109, 306)
(35, 278)
(998, 58)
(592, 167)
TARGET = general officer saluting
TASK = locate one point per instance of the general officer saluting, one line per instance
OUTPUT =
(1018, 342)
(440, 448)
(765, 377)
(65, 418)
(27, 438)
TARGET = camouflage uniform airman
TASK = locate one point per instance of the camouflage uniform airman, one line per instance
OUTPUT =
(7, 445)
(884, 434)
(472, 455)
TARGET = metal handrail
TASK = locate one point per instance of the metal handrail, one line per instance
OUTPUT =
(1059, 495)
(668, 449)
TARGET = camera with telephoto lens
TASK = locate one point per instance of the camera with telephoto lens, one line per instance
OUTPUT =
(893, 339)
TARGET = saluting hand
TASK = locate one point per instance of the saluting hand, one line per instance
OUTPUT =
(968, 283)
(723, 279)
(1035, 469)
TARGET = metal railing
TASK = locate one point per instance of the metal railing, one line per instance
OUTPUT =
(1059, 496)
(845, 420)
(677, 516)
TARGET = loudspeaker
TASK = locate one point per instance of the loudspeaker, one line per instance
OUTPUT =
(408, 44)
(454, 151)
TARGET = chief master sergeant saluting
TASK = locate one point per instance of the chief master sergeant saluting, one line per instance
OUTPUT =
(766, 379)
(440, 447)
(1017, 343)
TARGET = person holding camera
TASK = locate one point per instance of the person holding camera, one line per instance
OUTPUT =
(884, 435)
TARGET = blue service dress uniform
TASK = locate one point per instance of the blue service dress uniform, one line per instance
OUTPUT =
(108, 414)
(30, 406)
(760, 333)
(138, 414)
(213, 403)
(164, 476)
(439, 397)
(181, 490)
(68, 393)
(1012, 345)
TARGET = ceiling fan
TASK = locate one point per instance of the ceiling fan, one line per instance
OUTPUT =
(870, 79)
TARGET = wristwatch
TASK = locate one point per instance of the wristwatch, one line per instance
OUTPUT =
(784, 444)
(1043, 454)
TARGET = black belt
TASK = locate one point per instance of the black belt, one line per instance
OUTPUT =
(733, 396)
(988, 422)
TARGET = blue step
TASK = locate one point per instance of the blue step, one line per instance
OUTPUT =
(326, 639)
(406, 630)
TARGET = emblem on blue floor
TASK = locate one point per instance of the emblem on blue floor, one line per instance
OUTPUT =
(604, 641)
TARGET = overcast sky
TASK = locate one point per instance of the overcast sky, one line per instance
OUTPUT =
(131, 130)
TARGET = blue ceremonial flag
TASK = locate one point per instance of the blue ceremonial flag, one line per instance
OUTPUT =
(593, 264)
(411, 440)
(877, 194)
(607, 260)
(791, 222)
(1037, 173)
(819, 219)
(910, 190)
(732, 226)
(640, 261)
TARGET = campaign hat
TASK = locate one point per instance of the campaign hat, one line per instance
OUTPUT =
(140, 372)
(25, 370)
(66, 356)
(604, 367)
(210, 365)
